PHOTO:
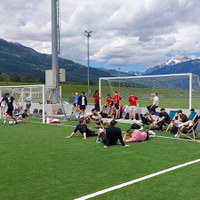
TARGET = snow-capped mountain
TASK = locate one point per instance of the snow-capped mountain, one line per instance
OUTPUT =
(177, 65)
(174, 61)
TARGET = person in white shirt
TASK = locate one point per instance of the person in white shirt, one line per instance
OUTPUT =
(154, 97)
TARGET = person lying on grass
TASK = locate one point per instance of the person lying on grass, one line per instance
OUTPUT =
(111, 135)
(137, 135)
(83, 129)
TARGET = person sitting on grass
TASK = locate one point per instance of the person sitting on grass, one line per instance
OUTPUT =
(83, 129)
(24, 116)
(111, 136)
(137, 135)
(97, 118)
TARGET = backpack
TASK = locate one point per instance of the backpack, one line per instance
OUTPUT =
(104, 115)
(135, 126)
(127, 116)
(174, 130)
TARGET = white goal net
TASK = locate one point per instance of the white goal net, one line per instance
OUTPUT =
(37, 97)
(174, 90)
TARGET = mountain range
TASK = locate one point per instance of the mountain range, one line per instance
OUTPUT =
(22, 60)
(177, 65)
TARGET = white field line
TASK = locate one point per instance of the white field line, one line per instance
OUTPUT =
(54, 124)
(136, 180)
(174, 138)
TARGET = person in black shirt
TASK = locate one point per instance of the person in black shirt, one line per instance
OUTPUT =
(24, 116)
(9, 101)
(82, 103)
(162, 119)
(83, 129)
(112, 135)
(180, 118)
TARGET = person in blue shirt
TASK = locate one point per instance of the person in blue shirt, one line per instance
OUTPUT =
(75, 103)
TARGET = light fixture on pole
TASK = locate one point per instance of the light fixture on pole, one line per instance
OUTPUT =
(88, 35)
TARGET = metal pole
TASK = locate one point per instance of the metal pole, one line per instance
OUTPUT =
(55, 69)
(119, 80)
(190, 91)
(88, 35)
(100, 90)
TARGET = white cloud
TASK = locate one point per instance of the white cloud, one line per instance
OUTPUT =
(128, 32)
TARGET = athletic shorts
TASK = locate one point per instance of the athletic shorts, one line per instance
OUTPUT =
(9, 111)
(82, 107)
(91, 133)
(74, 104)
(99, 122)
(147, 135)
(104, 138)
(116, 106)
(28, 105)
(132, 108)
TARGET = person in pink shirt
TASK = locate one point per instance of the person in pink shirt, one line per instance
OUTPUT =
(137, 135)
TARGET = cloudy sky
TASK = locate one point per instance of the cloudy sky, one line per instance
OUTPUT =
(126, 34)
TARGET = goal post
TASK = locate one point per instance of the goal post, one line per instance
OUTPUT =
(38, 96)
(180, 91)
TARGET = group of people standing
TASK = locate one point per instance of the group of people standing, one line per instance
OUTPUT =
(79, 104)
(115, 110)
(112, 105)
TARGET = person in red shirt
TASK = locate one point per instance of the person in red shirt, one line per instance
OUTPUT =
(116, 102)
(132, 109)
(108, 104)
(96, 100)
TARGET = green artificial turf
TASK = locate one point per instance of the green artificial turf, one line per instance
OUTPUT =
(37, 163)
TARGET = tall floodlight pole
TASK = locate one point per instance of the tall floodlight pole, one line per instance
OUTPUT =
(55, 49)
(88, 35)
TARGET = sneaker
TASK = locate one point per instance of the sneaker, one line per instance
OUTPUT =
(2, 124)
(98, 140)
(105, 147)
(154, 135)
(176, 135)
(141, 128)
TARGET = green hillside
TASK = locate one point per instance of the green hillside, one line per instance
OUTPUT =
(25, 62)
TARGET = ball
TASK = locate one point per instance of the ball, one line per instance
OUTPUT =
(11, 122)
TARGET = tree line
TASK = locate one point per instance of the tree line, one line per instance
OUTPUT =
(15, 77)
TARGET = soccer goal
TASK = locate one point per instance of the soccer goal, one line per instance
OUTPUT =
(174, 90)
(37, 97)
